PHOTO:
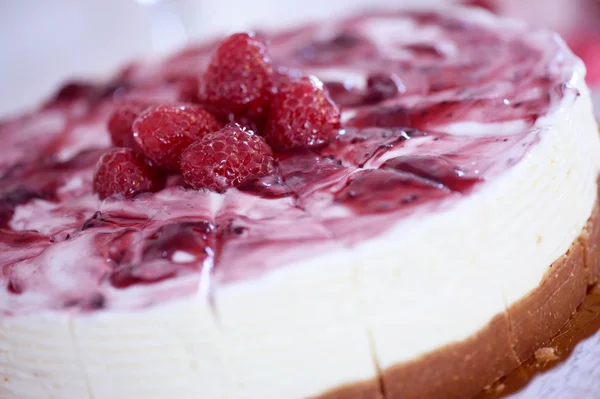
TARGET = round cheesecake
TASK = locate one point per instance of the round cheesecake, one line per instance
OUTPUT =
(448, 232)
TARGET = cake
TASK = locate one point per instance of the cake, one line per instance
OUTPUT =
(433, 226)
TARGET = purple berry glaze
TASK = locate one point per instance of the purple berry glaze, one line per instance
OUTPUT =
(403, 93)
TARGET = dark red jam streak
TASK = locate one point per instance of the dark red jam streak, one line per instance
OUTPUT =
(60, 246)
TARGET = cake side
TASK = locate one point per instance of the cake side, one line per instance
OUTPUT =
(461, 369)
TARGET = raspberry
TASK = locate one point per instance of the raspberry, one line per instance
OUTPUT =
(164, 131)
(302, 115)
(227, 158)
(121, 120)
(187, 89)
(239, 76)
(125, 173)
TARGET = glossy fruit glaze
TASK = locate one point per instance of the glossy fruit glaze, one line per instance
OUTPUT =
(434, 105)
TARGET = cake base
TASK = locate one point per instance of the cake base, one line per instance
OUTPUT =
(462, 369)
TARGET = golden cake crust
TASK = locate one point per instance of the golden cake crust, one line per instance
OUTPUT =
(462, 369)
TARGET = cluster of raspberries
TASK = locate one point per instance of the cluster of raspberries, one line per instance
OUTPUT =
(246, 112)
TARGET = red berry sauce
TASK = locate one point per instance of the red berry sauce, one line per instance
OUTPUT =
(432, 107)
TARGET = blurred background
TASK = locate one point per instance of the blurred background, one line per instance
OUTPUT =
(45, 42)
